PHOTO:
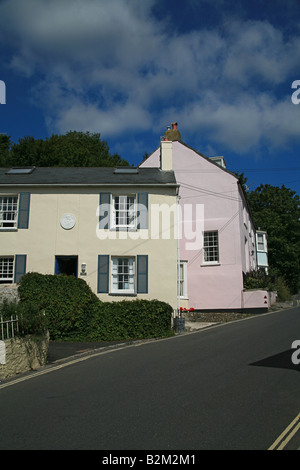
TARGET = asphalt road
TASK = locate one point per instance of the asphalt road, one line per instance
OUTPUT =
(232, 386)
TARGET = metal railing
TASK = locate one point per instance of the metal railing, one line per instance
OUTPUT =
(9, 328)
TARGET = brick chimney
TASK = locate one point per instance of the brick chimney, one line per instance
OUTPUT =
(173, 134)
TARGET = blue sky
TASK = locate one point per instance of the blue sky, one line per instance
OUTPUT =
(128, 68)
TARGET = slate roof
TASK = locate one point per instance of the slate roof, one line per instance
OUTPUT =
(87, 176)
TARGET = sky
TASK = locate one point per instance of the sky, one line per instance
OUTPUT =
(228, 72)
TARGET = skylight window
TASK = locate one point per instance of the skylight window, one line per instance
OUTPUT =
(20, 171)
(126, 170)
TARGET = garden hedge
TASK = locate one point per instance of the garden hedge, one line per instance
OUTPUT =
(73, 312)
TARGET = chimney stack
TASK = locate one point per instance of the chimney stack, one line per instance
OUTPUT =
(166, 155)
(173, 134)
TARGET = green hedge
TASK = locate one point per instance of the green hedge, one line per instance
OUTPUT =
(131, 319)
(68, 303)
(74, 312)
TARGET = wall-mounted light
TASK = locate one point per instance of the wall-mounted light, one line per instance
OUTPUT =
(83, 269)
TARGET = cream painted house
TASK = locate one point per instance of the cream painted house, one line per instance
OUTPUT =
(114, 228)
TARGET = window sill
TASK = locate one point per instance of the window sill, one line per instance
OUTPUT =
(123, 229)
(122, 294)
(8, 229)
(210, 264)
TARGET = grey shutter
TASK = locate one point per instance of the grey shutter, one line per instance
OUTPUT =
(104, 210)
(142, 274)
(24, 205)
(103, 274)
(142, 209)
(20, 267)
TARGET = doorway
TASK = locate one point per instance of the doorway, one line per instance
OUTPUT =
(67, 265)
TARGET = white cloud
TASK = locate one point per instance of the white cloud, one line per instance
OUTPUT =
(112, 67)
(258, 51)
(117, 120)
(246, 124)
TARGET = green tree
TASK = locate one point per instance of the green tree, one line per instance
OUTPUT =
(73, 149)
(5, 144)
(277, 211)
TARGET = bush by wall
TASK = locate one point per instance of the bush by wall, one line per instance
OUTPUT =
(260, 280)
(68, 303)
(31, 320)
(131, 319)
(74, 312)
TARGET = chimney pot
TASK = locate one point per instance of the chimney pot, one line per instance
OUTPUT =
(173, 134)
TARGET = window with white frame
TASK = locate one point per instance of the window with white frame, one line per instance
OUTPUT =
(6, 269)
(261, 242)
(123, 275)
(211, 247)
(183, 279)
(8, 211)
(124, 211)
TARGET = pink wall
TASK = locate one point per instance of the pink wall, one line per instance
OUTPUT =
(254, 299)
(205, 183)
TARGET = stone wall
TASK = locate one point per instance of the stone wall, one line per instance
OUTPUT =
(22, 354)
(8, 292)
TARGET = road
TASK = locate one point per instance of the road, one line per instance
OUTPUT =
(232, 386)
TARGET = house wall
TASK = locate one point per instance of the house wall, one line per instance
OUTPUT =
(215, 199)
(45, 238)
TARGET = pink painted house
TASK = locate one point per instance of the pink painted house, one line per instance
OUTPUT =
(218, 237)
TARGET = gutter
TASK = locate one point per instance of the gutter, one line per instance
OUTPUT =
(94, 185)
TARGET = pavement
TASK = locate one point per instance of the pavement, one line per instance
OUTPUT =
(60, 350)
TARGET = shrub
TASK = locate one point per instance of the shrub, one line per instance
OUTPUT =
(260, 280)
(30, 318)
(282, 289)
(74, 312)
(132, 319)
(68, 302)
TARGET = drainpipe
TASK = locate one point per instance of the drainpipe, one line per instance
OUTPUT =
(178, 255)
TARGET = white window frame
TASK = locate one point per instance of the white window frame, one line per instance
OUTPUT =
(123, 274)
(126, 211)
(11, 202)
(211, 248)
(263, 242)
(183, 294)
(7, 269)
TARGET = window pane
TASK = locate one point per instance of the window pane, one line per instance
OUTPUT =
(8, 211)
(123, 274)
(125, 212)
(6, 270)
(260, 242)
(211, 247)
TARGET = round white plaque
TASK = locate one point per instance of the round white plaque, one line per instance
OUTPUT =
(67, 221)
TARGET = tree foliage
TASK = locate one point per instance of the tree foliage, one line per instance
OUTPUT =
(73, 149)
(277, 211)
